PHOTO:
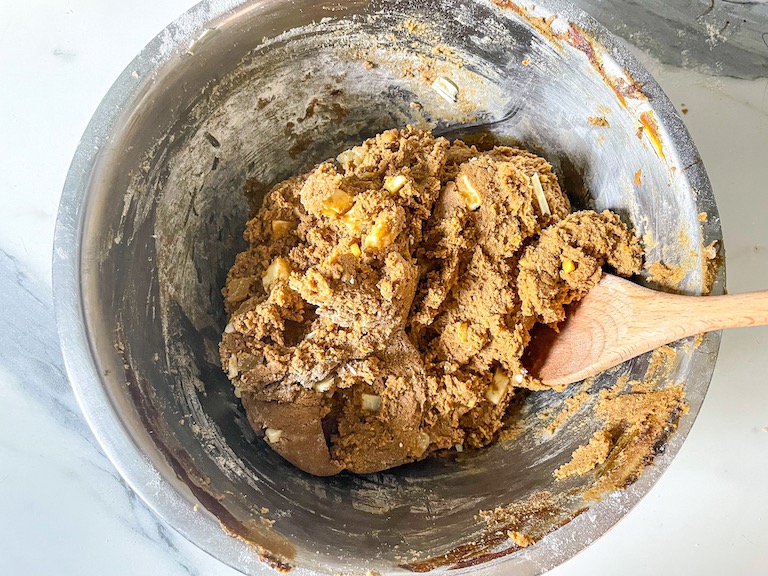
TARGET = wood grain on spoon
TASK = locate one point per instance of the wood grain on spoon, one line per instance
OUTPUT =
(619, 320)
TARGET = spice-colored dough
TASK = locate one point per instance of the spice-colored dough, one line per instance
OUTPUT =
(382, 308)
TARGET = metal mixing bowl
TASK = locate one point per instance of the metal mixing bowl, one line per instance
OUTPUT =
(152, 215)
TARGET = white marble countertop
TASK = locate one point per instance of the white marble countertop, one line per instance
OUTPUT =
(63, 507)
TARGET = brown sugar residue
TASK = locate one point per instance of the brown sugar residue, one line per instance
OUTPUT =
(543, 25)
(672, 268)
(572, 405)
(622, 383)
(639, 423)
(649, 242)
(703, 216)
(526, 517)
(661, 366)
(710, 250)
(711, 262)
(598, 121)
(522, 523)
(442, 50)
(586, 457)
(264, 543)
(624, 87)
(698, 339)
(666, 276)
(519, 538)
(637, 418)
(415, 27)
(638, 177)
(422, 32)
(516, 422)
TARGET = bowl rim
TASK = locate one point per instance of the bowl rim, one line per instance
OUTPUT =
(176, 509)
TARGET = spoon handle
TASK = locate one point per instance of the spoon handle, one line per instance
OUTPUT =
(644, 317)
(696, 314)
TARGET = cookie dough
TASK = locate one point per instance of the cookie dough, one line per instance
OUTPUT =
(381, 310)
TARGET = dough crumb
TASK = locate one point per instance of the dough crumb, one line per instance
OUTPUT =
(519, 538)
(598, 121)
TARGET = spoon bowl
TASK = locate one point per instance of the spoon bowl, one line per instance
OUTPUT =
(619, 320)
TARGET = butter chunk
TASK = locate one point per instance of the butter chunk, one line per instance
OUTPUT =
(383, 232)
(281, 228)
(469, 193)
(338, 203)
(280, 269)
(498, 387)
(394, 183)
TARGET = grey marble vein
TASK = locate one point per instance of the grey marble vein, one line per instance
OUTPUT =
(32, 370)
(30, 346)
(720, 37)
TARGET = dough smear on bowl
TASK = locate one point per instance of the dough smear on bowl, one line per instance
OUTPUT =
(381, 310)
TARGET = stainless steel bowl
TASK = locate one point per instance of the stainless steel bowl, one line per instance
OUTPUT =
(152, 214)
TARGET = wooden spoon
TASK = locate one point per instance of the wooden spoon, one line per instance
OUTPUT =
(619, 320)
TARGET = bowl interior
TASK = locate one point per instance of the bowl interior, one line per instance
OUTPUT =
(263, 91)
